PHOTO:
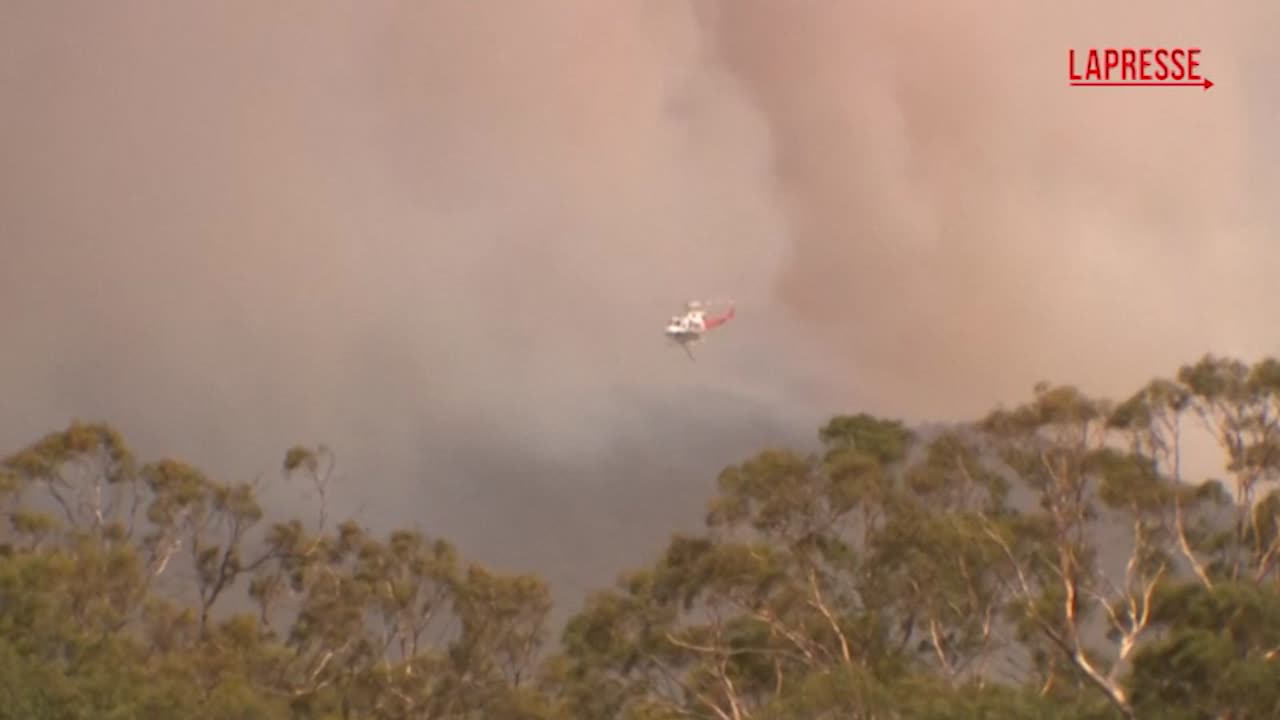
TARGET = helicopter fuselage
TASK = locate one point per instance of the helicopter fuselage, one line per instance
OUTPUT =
(682, 335)
(686, 328)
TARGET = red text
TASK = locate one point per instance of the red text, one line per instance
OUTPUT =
(1133, 65)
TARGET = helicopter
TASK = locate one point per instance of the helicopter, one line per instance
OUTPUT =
(690, 326)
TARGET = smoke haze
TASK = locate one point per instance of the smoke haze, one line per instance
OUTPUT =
(443, 237)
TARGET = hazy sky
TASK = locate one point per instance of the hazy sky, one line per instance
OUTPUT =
(443, 236)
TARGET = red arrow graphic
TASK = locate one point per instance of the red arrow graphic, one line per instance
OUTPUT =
(1205, 83)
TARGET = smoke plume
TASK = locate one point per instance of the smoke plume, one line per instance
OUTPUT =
(443, 237)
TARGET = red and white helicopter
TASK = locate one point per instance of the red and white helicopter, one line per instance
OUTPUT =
(689, 327)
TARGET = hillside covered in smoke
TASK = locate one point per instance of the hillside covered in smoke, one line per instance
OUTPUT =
(443, 237)
(892, 575)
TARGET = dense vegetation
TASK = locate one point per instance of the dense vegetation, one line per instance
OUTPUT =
(1047, 561)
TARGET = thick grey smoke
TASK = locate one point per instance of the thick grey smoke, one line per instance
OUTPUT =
(963, 222)
(443, 237)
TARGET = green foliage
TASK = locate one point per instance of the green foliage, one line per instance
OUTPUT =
(1048, 561)
(1218, 654)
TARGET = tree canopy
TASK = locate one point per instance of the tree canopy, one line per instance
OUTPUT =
(1048, 560)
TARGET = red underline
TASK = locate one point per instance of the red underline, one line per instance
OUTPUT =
(1154, 83)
